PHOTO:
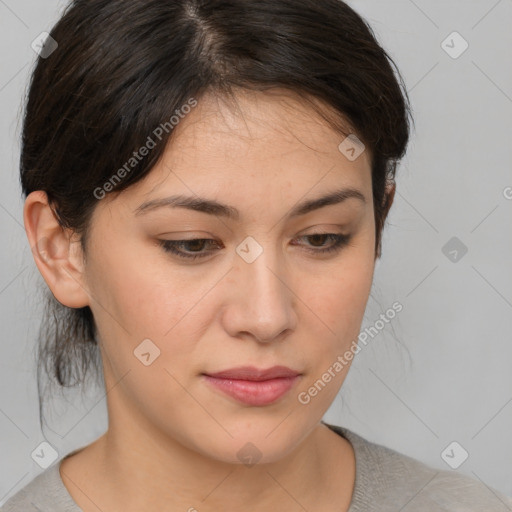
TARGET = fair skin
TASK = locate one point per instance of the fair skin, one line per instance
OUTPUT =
(172, 440)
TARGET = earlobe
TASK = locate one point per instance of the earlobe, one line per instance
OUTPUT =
(57, 256)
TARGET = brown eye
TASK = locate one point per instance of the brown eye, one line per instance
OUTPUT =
(338, 241)
(194, 251)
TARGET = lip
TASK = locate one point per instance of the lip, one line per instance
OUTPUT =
(253, 386)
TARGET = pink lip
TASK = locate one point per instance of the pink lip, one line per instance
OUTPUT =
(253, 386)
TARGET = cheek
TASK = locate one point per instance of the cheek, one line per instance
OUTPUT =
(144, 310)
(140, 292)
(340, 295)
(339, 307)
(157, 301)
(347, 300)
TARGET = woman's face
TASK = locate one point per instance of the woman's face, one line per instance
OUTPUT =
(261, 292)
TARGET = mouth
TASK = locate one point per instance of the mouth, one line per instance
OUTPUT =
(253, 386)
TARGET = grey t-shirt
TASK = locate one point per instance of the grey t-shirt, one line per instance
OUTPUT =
(386, 481)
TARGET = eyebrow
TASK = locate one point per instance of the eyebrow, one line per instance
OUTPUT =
(212, 207)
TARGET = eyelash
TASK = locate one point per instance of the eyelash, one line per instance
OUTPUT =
(170, 245)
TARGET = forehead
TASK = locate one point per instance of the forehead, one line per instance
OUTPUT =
(263, 125)
(270, 147)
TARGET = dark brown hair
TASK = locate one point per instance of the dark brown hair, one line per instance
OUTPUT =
(125, 67)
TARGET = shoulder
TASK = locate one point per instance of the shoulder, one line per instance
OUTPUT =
(395, 481)
(44, 493)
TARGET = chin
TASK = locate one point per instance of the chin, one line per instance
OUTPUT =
(257, 445)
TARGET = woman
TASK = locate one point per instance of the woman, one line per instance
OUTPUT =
(206, 186)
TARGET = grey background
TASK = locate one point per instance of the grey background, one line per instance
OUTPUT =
(440, 372)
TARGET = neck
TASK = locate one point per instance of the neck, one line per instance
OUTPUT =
(141, 469)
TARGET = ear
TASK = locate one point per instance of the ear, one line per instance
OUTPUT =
(389, 196)
(58, 257)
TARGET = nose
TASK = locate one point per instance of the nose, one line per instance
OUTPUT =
(262, 303)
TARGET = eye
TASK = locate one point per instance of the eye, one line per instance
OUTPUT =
(338, 242)
(194, 248)
(173, 247)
